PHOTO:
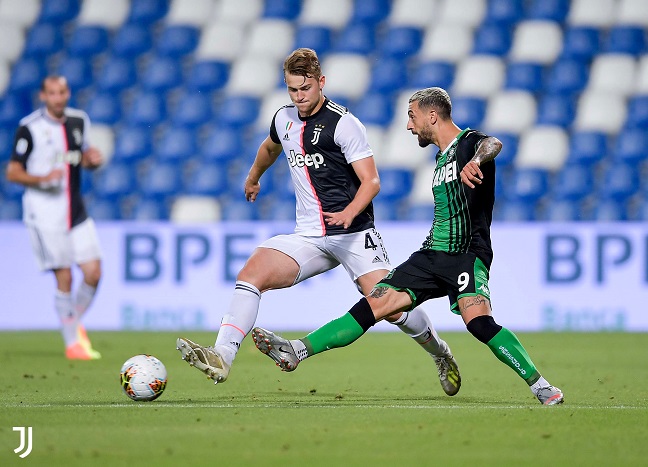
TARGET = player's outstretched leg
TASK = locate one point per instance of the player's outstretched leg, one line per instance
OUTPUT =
(206, 359)
(449, 375)
(276, 347)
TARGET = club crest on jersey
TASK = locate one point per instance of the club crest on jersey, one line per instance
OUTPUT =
(316, 133)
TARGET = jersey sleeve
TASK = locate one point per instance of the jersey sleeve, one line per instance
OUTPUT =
(472, 142)
(23, 145)
(274, 136)
(351, 136)
(86, 132)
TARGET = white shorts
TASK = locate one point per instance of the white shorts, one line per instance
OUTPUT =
(55, 249)
(359, 253)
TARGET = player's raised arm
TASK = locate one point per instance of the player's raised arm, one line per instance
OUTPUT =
(266, 156)
(488, 149)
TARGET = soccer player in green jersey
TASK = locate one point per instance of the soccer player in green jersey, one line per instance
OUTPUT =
(454, 260)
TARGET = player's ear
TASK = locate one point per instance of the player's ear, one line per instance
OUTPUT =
(322, 82)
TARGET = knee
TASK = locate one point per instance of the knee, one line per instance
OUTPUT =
(92, 276)
(484, 328)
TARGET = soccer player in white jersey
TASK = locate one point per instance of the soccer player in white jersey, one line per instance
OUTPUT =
(50, 147)
(335, 179)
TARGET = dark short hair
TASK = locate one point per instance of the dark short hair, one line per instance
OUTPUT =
(303, 62)
(52, 78)
(437, 98)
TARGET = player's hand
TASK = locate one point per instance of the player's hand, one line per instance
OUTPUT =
(471, 174)
(338, 218)
(92, 158)
(52, 180)
(252, 189)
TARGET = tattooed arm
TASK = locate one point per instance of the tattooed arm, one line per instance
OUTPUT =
(488, 149)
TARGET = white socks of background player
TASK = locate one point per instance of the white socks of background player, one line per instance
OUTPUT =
(84, 296)
(239, 320)
(68, 316)
(416, 324)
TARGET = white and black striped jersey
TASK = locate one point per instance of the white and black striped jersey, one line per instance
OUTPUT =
(320, 149)
(41, 145)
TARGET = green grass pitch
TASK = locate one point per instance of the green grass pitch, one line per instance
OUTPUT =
(375, 403)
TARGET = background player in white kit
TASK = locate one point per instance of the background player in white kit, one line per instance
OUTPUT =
(335, 178)
(50, 147)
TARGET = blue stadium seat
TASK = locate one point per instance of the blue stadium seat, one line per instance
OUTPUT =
(401, 42)
(149, 209)
(146, 12)
(77, 71)
(561, 210)
(13, 107)
(132, 40)
(357, 38)
(388, 76)
(386, 209)
(316, 37)
(395, 184)
(504, 12)
(492, 39)
(42, 40)
(567, 77)
(524, 76)
(147, 109)
(26, 75)
(87, 40)
(132, 145)
(192, 110)
(637, 112)
(626, 40)
(468, 111)
(282, 185)
(10, 191)
(116, 74)
(507, 155)
(207, 76)
(160, 181)
(609, 210)
(631, 147)
(206, 179)
(277, 210)
(517, 210)
(433, 73)
(104, 107)
(6, 140)
(370, 11)
(161, 74)
(10, 210)
(59, 11)
(176, 41)
(103, 209)
(114, 181)
(581, 43)
(574, 182)
(238, 209)
(587, 147)
(374, 108)
(176, 145)
(221, 144)
(526, 185)
(553, 10)
(619, 182)
(418, 212)
(554, 109)
(282, 9)
(238, 111)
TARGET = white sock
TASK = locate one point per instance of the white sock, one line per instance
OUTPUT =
(416, 324)
(68, 316)
(300, 349)
(541, 383)
(85, 294)
(238, 321)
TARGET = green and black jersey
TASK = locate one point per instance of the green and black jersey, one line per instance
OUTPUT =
(462, 215)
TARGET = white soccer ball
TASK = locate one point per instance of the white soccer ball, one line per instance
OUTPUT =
(143, 377)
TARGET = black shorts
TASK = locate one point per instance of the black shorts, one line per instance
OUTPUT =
(432, 274)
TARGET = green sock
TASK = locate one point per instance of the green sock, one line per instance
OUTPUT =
(508, 349)
(337, 333)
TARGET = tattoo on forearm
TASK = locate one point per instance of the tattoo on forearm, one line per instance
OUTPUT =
(488, 149)
(378, 292)
(473, 301)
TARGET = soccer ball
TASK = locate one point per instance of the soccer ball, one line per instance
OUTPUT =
(143, 377)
